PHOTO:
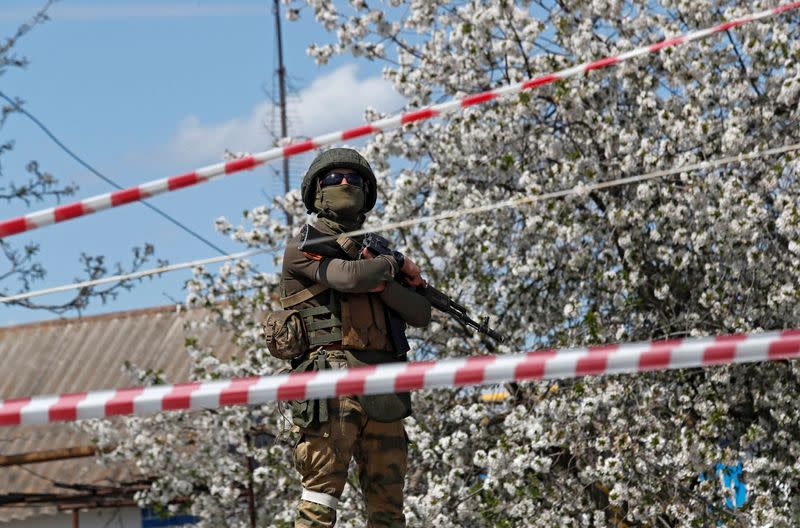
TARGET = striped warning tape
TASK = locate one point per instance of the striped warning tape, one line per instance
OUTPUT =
(87, 206)
(402, 377)
(437, 217)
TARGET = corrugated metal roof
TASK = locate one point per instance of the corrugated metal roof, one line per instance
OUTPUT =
(73, 355)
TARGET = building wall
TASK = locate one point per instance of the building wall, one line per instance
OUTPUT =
(104, 518)
(116, 517)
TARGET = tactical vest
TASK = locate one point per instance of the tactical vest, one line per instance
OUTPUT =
(360, 321)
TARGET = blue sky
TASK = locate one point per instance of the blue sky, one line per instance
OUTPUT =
(144, 90)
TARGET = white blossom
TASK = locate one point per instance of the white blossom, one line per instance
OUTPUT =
(708, 252)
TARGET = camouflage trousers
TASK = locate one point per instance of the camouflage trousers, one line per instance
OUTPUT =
(323, 454)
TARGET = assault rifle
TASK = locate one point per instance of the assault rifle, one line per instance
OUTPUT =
(377, 245)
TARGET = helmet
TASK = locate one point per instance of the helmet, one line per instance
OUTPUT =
(339, 158)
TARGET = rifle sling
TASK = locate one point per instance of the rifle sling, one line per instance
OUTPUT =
(302, 295)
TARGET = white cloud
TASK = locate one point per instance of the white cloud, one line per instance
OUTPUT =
(332, 102)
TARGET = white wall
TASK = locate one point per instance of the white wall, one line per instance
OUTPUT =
(105, 518)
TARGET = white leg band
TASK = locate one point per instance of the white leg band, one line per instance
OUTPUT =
(320, 498)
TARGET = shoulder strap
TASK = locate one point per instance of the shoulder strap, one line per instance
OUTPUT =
(302, 295)
(349, 246)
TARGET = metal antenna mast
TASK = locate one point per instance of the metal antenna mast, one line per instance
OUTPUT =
(282, 98)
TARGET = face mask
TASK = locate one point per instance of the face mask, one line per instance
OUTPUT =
(346, 200)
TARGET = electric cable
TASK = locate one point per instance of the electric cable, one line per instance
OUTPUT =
(106, 179)
(580, 189)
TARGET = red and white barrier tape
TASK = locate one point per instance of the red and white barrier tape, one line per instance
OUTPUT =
(84, 207)
(401, 377)
(444, 215)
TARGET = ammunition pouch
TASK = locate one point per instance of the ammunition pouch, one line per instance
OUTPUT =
(307, 412)
(285, 334)
(290, 333)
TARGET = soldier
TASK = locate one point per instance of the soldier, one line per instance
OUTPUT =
(354, 312)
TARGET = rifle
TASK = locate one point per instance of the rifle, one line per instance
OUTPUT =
(378, 245)
(315, 241)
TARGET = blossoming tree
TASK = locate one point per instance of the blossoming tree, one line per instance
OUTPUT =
(708, 252)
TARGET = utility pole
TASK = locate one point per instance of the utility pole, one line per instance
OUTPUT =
(282, 100)
(251, 492)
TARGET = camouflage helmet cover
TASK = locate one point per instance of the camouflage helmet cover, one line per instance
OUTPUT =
(339, 158)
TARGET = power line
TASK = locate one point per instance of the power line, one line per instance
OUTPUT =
(580, 189)
(103, 177)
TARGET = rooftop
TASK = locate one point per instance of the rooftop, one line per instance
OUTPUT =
(75, 355)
